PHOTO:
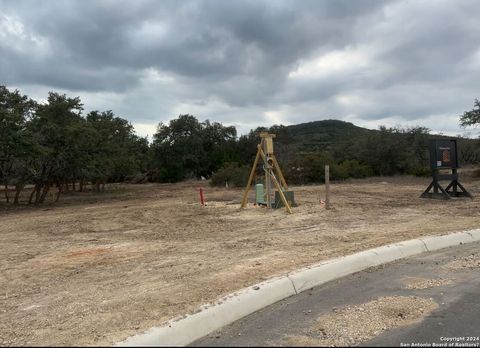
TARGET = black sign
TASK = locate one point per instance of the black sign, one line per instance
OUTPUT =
(443, 154)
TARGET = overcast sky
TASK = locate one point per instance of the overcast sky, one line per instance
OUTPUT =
(250, 63)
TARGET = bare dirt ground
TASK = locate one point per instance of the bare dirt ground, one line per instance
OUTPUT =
(94, 269)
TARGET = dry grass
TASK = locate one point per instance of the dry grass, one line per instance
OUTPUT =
(97, 268)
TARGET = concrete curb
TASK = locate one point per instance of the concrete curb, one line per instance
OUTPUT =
(440, 242)
(183, 331)
(307, 278)
(475, 234)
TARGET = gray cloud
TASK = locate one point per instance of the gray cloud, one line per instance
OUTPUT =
(250, 62)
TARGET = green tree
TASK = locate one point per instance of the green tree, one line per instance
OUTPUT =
(55, 128)
(178, 149)
(472, 117)
(219, 144)
(247, 145)
(116, 151)
(17, 146)
(187, 148)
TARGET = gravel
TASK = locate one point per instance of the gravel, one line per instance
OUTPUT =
(423, 283)
(469, 262)
(355, 324)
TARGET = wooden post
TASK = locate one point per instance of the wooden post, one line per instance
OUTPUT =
(268, 184)
(327, 186)
(252, 173)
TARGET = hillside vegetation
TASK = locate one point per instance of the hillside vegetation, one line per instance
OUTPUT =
(53, 144)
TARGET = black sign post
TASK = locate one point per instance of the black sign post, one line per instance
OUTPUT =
(443, 156)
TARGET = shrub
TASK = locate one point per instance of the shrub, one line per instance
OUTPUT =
(351, 169)
(421, 171)
(231, 173)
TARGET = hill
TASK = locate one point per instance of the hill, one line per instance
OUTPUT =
(321, 135)
(354, 151)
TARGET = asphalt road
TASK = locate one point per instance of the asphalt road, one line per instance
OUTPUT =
(456, 321)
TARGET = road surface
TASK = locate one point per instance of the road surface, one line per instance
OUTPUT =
(454, 276)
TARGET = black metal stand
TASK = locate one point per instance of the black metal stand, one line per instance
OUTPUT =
(450, 191)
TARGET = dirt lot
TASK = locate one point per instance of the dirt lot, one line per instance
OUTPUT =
(97, 268)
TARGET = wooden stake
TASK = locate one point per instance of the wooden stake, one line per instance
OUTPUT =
(327, 187)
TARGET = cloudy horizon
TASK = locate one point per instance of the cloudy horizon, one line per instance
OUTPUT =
(250, 63)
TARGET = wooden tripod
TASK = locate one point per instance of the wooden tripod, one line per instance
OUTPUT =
(273, 173)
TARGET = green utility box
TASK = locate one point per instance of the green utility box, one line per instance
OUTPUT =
(259, 194)
(289, 196)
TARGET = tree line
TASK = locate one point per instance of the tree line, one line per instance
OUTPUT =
(52, 144)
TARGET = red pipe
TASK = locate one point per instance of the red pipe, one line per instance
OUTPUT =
(202, 198)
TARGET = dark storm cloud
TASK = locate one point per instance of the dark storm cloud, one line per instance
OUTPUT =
(211, 39)
(369, 59)
(433, 43)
